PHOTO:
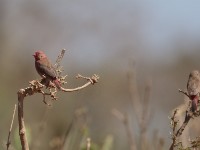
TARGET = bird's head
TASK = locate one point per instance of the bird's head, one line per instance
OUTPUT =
(39, 55)
(194, 73)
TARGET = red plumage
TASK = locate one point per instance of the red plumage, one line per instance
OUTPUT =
(45, 68)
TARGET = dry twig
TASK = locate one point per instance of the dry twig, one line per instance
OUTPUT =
(36, 87)
(59, 58)
(94, 79)
(173, 124)
(188, 115)
(22, 130)
(13, 117)
(195, 143)
(185, 93)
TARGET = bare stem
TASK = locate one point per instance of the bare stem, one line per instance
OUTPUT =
(8, 141)
(59, 58)
(22, 129)
(188, 115)
(88, 143)
(174, 123)
(94, 79)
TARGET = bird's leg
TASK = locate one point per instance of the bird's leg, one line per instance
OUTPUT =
(45, 82)
(51, 85)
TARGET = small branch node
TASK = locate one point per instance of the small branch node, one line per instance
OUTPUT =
(94, 79)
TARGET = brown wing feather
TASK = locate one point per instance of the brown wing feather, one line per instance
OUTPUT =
(193, 85)
(44, 67)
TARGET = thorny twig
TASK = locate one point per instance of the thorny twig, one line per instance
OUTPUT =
(58, 60)
(173, 124)
(188, 115)
(195, 143)
(36, 87)
(185, 93)
(13, 117)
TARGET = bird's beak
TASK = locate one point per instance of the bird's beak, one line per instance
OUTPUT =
(34, 55)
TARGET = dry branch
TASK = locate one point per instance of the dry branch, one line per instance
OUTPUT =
(8, 141)
(176, 135)
(174, 124)
(94, 79)
(185, 93)
(22, 130)
(37, 87)
(188, 115)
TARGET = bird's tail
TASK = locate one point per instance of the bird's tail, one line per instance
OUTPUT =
(57, 83)
(194, 103)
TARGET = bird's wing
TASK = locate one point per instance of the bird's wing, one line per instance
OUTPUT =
(193, 86)
(46, 69)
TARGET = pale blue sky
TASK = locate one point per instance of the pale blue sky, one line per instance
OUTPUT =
(101, 29)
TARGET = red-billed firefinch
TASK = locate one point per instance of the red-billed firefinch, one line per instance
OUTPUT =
(193, 88)
(45, 68)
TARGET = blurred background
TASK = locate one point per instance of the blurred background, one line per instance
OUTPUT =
(130, 44)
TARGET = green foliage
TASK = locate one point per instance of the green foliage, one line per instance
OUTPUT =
(108, 143)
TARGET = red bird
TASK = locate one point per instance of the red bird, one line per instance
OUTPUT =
(45, 68)
(193, 88)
